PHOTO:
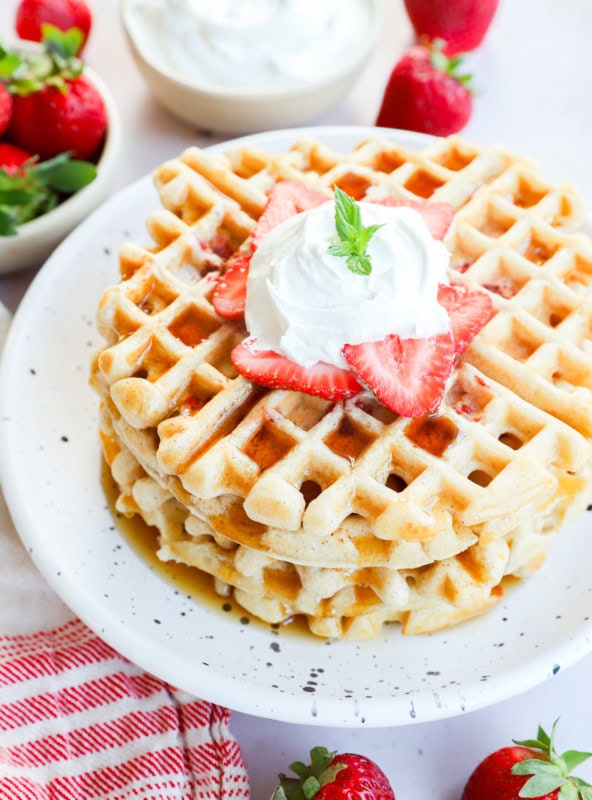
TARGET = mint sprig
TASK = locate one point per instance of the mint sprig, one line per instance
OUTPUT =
(353, 236)
(552, 770)
(38, 187)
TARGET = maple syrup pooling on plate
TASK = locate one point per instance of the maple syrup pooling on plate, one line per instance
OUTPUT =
(189, 581)
(433, 433)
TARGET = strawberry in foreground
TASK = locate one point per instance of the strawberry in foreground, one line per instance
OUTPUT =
(532, 768)
(334, 777)
(55, 108)
(426, 93)
(270, 369)
(462, 24)
(31, 15)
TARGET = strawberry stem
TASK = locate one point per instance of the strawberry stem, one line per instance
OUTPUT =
(450, 66)
(24, 73)
(552, 770)
(311, 779)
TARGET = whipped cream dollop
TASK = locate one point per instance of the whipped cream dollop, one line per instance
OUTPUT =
(305, 303)
(251, 43)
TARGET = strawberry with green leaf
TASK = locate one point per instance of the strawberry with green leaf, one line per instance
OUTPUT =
(532, 768)
(31, 188)
(55, 108)
(426, 92)
(31, 15)
(334, 777)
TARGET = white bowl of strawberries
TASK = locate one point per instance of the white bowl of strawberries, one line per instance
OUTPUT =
(60, 137)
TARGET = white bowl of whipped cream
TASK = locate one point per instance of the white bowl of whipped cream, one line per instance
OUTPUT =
(241, 66)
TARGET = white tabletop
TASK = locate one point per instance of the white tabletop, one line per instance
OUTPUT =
(534, 87)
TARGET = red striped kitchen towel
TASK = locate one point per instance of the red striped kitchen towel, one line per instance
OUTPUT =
(79, 721)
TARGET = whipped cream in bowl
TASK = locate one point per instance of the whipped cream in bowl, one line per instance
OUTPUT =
(303, 302)
(256, 44)
(241, 66)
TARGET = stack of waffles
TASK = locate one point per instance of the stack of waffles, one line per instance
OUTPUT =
(344, 512)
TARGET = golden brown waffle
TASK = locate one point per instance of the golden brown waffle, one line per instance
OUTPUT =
(344, 512)
(346, 602)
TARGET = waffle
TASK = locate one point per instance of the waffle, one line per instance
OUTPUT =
(344, 512)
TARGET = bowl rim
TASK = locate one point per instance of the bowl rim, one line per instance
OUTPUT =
(222, 92)
(105, 165)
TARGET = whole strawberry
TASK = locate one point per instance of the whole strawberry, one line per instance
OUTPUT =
(55, 120)
(425, 93)
(532, 768)
(54, 107)
(12, 157)
(462, 24)
(334, 777)
(31, 15)
(5, 108)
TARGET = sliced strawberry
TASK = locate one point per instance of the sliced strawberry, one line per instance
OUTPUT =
(275, 371)
(407, 375)
(286, 198)
(437, 216)
(231, 290)
(469, 310)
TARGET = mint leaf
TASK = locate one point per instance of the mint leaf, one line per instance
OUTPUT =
(353, 236)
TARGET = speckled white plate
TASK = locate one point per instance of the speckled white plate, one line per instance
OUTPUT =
(50, 467)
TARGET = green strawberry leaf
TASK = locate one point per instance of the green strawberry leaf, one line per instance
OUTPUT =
(30, 71)
(530, 766)
(7, 224)
(450, 66)
(65, 176)
(38, 187)
(8, 62)
(16, 197)
(353, 236)
(310, 787)
(585, 789)
(568, 792)
(540, 785)
(573, 758)
(62, 44)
